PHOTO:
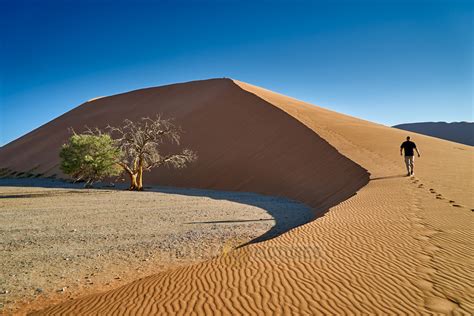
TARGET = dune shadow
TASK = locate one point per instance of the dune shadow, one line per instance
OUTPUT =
(233, 221)
(286, 213)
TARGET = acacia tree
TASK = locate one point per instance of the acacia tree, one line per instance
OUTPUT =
(90, 157)
(139, 143)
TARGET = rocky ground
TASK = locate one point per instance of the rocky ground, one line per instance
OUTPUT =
(59, 241)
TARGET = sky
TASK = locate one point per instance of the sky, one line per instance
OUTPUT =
(389, 62)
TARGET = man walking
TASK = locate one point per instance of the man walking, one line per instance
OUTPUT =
(408, 147)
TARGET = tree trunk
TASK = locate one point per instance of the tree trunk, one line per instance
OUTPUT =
(88, 184)
(133, 181)
(140, 177)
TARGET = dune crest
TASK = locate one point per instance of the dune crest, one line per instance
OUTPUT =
(400, 245)
(444, 164)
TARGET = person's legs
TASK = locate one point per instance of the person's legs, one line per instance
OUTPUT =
(412, 164)
(407, 164)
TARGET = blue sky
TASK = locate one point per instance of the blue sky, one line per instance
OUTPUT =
(385, 61)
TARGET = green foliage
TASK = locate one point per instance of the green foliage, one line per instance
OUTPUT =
(90, 157)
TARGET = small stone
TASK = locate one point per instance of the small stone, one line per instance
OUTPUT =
(39, 290)
(4, 292)
(62, 290)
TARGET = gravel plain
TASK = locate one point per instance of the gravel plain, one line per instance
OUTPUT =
(59, 241)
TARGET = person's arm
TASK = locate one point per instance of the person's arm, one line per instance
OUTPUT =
(417, 152)
(401, 148)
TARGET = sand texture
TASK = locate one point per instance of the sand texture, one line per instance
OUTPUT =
(60, 241)
(391, 245)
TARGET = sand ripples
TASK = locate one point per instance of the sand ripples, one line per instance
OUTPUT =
(362, 257)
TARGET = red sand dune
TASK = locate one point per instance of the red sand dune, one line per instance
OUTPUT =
(401, 245)
(243, 143)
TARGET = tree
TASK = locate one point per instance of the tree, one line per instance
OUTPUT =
(90, 157)
(139, 143)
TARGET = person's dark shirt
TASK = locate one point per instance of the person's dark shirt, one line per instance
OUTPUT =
(408, 147)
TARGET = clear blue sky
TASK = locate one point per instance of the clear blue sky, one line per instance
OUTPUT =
(385, 61)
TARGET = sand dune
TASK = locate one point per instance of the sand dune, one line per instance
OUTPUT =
(400, 245)
(460, 132)
(446, 165)
(243, 142)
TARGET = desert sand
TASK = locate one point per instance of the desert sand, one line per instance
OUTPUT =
(60, 241)
(382, 243)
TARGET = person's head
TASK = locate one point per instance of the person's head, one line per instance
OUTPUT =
(408, 137)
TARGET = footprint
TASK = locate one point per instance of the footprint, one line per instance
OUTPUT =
(423, 284)
(423, 257)
(426, 270)
(431, 248)
(440, 198)
(422, 238)
(440, 305)
(427, 232)
(453, 203)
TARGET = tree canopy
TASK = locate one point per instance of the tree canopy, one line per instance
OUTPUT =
(90, 157)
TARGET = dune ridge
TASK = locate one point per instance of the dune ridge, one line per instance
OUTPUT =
(460, 132)
(400, 245)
